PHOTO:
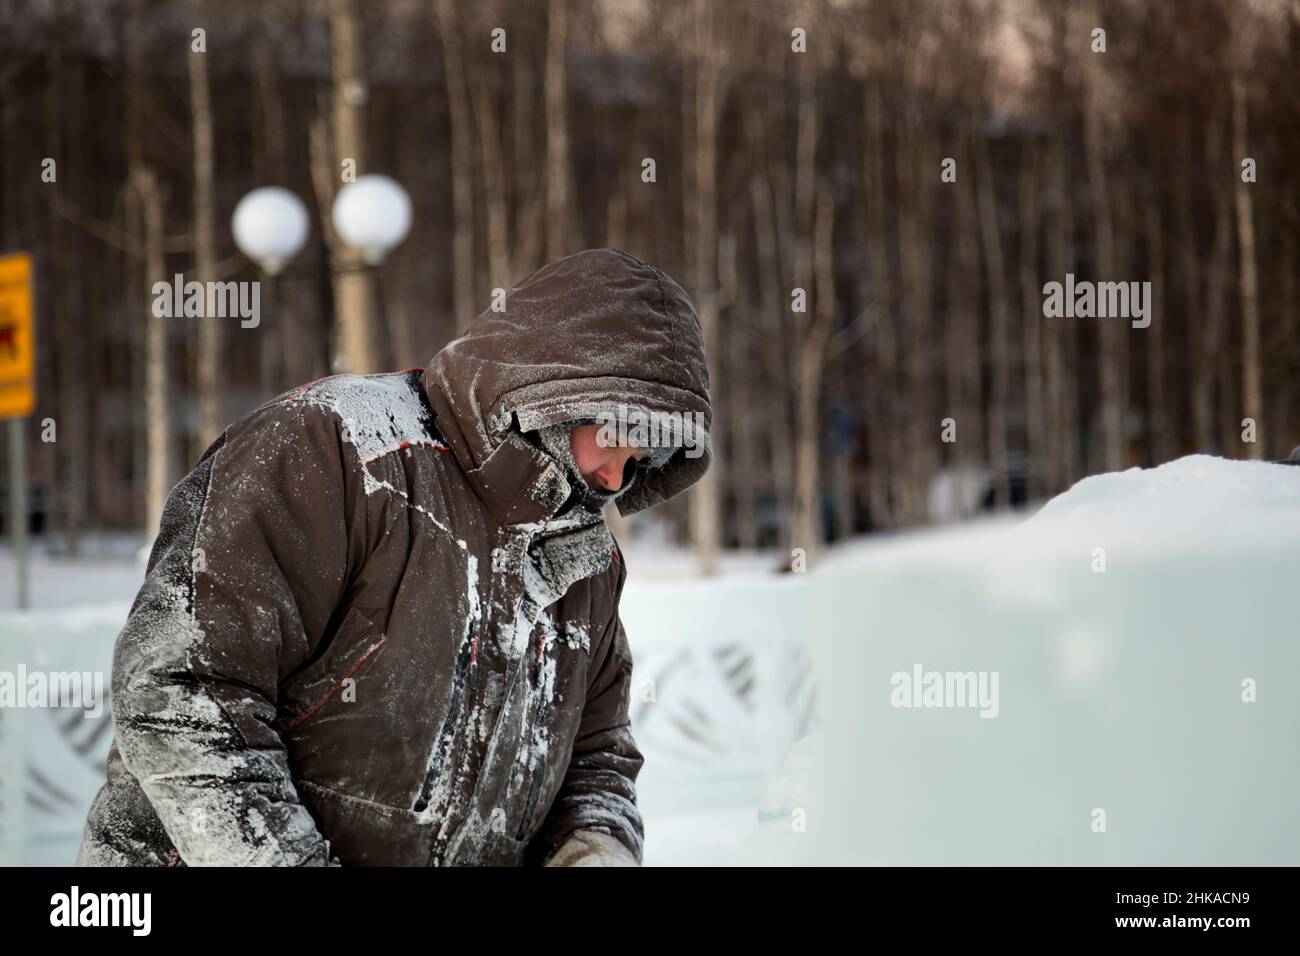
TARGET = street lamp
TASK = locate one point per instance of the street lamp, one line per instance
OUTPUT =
(270, 227)
(373, 216)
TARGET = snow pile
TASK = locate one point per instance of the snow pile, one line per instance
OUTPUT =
(1139, 636)
(1199, 500)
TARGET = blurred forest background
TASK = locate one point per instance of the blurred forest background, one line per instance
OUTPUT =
(774, 170)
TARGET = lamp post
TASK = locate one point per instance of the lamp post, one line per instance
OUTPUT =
(371, 216)
(270, 226)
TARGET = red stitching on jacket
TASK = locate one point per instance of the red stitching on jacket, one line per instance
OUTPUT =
(373, 647)
(176, 859)
(406, 443)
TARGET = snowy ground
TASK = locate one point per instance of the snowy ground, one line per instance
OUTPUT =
(105, 572)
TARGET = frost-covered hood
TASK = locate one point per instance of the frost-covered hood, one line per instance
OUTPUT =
(577, 338)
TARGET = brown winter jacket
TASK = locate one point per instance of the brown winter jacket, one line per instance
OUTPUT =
(323, 664)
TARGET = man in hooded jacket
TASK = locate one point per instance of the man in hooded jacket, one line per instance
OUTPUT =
(379, 624)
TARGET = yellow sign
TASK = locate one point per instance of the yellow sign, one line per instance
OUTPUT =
(17, 342)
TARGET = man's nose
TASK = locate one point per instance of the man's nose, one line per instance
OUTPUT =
(610, 477)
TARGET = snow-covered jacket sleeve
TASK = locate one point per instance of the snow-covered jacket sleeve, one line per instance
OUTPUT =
(252, 556)
(599, 789)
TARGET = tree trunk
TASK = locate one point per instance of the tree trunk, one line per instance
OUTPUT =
(555, 83)
(1061, 333)
(806, 530)
(529, 194)
(359, 350)
(804, 525)
(494, 174)
(1031, 315)
(773, 408)
(464, 265)
(1286, 435)
(965, 350)
(157, 407)
(208, 377)
(917, 172)
(1252, 391)
(147, 200)
(883, 443)
(742, 397)
(1212, 327)
(280, 365)
(1193, 301)
(999, 346)
(1158, 420)
(705, 504)
(1112, 341)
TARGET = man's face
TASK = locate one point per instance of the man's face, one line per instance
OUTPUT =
(601, 467)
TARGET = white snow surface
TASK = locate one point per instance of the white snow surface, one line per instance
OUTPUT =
(1196, 500)
(1141, 624)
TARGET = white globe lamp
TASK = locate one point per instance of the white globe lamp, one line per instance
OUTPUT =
(373, 216)
(270, 226)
